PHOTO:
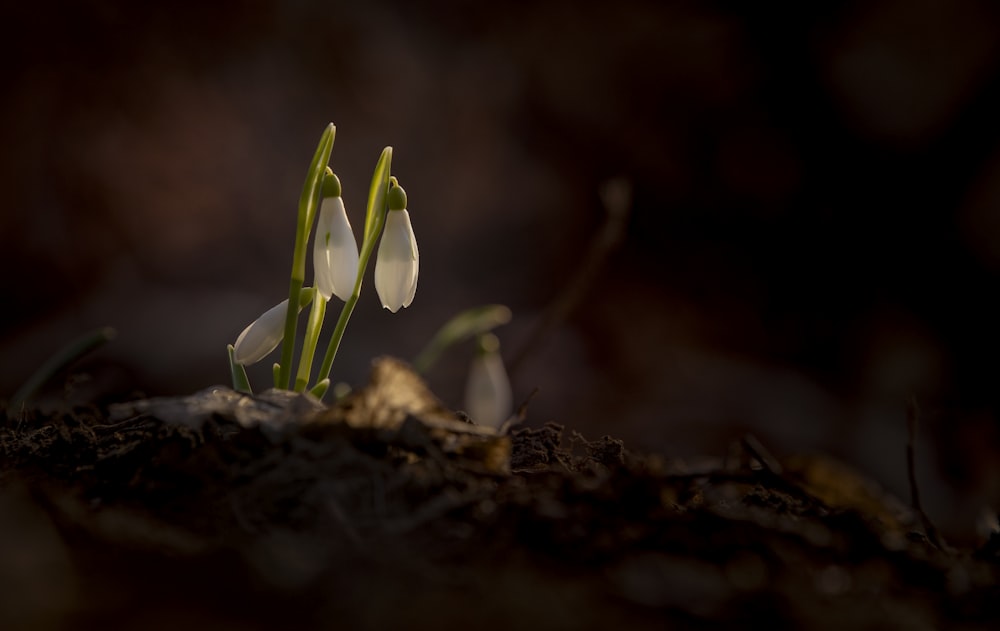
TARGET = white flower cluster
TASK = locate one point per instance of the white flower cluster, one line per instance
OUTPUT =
(336, 267)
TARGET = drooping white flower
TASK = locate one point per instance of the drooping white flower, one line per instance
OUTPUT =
(398, 262)
(262, 335)
(335, 252)
(488, 398)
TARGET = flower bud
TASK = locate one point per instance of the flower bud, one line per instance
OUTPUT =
(398, 262)
(335, 252)
(487, 392)
(262, 335)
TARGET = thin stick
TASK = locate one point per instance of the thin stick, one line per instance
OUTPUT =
(912, 418)
(617, 197)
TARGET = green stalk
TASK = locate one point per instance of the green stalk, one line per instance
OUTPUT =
(316, 316)
(308, 202)
(338, 333)
(374, 221)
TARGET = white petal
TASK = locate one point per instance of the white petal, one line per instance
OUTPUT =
(397, 263)
(262, 336)
(416, 261)
(335, 252)
(487, 392)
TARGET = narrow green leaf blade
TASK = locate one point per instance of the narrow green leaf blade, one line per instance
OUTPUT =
(465, 325)
(375, 211)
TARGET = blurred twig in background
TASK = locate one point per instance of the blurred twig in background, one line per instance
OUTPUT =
(616, 195)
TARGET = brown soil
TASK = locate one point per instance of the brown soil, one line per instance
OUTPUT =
(387, 511)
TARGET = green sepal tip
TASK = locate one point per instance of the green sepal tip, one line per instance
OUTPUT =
(397, 196)
(487, 344)
(320, 388)
(331, 184)
(306, 295)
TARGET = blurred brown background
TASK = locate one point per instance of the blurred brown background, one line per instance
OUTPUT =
(814, 238)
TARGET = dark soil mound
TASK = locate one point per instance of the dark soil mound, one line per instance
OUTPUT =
(387, 511)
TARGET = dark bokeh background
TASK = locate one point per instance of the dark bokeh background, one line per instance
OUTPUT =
(814, 239)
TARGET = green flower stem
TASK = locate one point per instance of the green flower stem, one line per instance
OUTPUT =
(308, 203)
(338, 333)
(313, 327)
(374, 221)
(288, 341)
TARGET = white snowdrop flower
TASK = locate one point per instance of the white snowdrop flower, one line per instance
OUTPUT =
(335, 252)
(262, 336)
(398, 261)
(488, 398)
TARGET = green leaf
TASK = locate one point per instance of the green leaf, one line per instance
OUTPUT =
(375, 211)
(308, 203)
(309, 200)
(467, 324)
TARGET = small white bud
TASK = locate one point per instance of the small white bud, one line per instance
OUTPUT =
(488, 398)
(262, 336)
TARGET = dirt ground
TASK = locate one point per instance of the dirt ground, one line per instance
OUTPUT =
(224, 511)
